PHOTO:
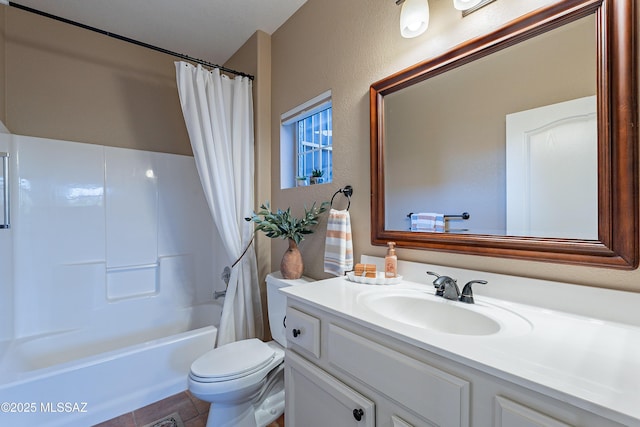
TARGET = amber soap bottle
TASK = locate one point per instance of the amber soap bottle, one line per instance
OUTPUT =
(391, 261)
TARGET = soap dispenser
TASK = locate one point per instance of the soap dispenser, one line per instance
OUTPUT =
(391, 262)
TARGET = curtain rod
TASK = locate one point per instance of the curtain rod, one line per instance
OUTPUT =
(126, 39)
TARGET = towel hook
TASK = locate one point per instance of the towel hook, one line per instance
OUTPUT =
(347, 191)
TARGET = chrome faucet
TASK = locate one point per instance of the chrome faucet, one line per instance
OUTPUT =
(448, 288)
(451, 290)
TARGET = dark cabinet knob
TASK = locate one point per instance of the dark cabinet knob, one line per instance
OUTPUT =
(296, 332)
(358, 413)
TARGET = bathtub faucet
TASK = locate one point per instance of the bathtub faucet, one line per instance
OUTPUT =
(225, 276)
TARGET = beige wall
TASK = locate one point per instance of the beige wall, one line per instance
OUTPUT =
(346, 46)
(68, 83)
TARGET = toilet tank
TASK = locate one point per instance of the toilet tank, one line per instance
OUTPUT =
(277, 304)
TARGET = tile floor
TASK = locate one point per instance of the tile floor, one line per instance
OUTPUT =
(192, 411)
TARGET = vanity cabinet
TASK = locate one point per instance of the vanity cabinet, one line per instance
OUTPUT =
(343, 372)
(335, 377)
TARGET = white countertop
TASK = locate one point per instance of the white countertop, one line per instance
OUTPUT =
(589, 363)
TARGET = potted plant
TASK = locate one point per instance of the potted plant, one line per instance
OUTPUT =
(316, 176)
(301, 181)
(283, 225)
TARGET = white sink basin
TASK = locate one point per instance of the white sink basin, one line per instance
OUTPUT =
(422, 310)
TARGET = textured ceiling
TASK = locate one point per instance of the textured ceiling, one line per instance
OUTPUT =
(211, 30)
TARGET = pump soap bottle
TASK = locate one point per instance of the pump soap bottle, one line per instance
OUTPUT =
(391, 262)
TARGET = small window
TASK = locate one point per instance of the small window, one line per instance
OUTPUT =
(306, 143)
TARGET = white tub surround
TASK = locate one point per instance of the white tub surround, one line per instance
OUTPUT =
(111, 275)
(95, 225)
(576, 369)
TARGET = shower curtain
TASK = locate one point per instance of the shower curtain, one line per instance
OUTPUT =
(218, 112)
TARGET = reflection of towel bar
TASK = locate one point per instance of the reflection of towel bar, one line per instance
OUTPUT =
(463, 215)
(5, 184)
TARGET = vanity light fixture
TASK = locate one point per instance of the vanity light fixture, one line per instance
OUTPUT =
(414, 17)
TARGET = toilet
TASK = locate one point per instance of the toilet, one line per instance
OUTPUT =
(244, 380)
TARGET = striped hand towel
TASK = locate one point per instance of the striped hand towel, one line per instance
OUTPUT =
(338, 247)
(427, 222)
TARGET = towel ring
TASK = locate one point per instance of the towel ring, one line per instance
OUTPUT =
(347, 191)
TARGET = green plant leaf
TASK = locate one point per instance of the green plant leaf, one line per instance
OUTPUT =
(283, 225)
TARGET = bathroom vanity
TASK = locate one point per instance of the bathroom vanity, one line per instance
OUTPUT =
(398, 356)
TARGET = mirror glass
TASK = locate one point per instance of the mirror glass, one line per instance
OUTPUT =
(521, 143)
(510, 139)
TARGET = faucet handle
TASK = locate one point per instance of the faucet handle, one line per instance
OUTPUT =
(431, 273)
(439, 280)
(467, 292)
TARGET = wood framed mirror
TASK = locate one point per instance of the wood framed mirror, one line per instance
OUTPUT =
(613, 240)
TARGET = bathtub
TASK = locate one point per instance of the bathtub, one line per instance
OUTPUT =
(86, 376)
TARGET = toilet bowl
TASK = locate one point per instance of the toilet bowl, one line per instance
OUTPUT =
(244, 380)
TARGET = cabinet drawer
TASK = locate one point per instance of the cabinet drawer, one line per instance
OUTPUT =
(437, 396)
(303, 331)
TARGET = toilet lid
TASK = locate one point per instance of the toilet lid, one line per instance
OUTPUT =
(233, 360)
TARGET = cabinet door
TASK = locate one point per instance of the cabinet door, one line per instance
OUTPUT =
(511, 414)
(316, 399)
(435, 395)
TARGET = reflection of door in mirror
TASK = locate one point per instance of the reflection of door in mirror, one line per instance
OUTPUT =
(552, 180)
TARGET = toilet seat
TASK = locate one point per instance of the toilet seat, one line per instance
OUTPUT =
(232, 361)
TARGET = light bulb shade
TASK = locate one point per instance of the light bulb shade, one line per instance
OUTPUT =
(465, 4)
(414, 18)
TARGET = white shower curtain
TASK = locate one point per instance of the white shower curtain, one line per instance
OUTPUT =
(218, 112)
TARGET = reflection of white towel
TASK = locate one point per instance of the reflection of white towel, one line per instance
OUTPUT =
(338, 247)
(427, 222)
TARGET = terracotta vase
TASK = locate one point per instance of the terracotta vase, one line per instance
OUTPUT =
(291, 266)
